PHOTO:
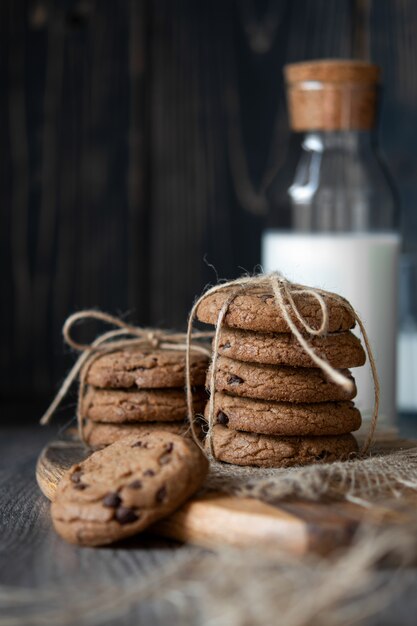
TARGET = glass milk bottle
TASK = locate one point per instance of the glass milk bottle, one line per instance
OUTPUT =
(333, 213)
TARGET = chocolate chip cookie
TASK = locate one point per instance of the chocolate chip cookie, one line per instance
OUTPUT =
(139, 405)
(285, 418)
(98, 435)
(256, 310)
(120, 490)
(277, 382)
(341, 350)
(146, 369)
(240, 448)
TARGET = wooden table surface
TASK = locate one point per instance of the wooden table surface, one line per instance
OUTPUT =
(32, 556)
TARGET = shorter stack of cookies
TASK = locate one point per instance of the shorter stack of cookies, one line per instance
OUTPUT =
(138, 390)
(273, 406)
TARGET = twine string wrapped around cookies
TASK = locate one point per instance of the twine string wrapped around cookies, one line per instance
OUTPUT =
(124, 336)
(283, 291)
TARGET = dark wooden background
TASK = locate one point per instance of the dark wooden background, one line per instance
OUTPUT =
(137, 138)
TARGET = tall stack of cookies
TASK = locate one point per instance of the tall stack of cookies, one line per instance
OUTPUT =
(136, 390)
(273, 407)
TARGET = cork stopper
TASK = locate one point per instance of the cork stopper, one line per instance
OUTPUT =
(332, 94)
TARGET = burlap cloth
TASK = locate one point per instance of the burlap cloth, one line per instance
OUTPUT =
(389, 470)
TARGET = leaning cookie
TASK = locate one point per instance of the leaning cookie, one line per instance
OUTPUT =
(285, 418)
(239, 448)
(120, 490)
(139, 405)
(341, 350)
(276, 382)
(98, 435)
(146, 369)
(257, 310)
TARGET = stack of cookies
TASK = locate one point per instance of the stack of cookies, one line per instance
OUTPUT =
(136, 390)
(273, 406)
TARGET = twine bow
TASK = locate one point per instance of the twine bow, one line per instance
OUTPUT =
(283, 291)
(124, 336)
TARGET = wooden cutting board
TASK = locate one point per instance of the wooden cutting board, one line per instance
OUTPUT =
(298, 527)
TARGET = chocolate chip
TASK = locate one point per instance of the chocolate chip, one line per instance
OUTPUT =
(76, 476)
(226, 346)
(166, 458)
(112, 500)
(125, 515)
(234, 380)
(139, 444)
(265, 297)
(135, 484)
(149, 472)
(322, 455)
(222, 418)
(161, 494)
(80, 486)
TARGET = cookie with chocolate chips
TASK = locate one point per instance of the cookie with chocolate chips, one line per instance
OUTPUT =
(98, 435)
(256, 309)
(145, 369)
(342, 349)
(285, 418)
(277, 382)
(240, 448)
(139, 405)
(119, 491)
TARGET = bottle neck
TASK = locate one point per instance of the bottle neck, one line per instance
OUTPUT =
(353, 141)
(335, 182)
